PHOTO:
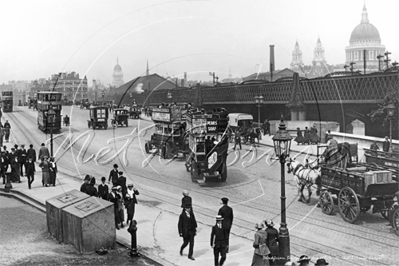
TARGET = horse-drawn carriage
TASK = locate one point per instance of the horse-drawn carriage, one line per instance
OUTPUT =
(98, 117)
(243, 124)
(84, 104)
(356, 187)
(135, 112)
(208, 144)
(169, 137)
(121, 117)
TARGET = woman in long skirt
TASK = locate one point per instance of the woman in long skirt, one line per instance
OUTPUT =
(299, 138)
(45, 171)
(261, 253)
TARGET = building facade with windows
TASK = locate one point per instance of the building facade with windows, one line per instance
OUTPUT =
(71, 86)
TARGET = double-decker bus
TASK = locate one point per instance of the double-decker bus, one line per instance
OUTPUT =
(47, 101)
(7, 101)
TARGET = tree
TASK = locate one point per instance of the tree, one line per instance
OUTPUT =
(381, 114)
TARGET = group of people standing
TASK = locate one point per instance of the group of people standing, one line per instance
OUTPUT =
(121, 195)
(309, 136)
(22, 163)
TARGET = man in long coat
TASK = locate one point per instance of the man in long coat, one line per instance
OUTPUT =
(227, 213)
(113, 175)
(22, 159)
(131, 202)
(219, 241)
(187, 230)
(103, 189)
(30, 171)
(43, 152)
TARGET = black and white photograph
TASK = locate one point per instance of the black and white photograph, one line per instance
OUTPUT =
(199, 132)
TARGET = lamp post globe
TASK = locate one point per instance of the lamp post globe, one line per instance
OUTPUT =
(282, 145)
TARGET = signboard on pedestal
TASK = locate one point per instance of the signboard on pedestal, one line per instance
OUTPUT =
(89, 225)
(54, 207)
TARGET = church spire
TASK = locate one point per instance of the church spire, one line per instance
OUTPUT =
(148, 70)
(365, 18)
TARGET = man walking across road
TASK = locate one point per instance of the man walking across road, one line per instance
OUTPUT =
(219, 241)
(187, 230)
(227, 213)
(266, 127)
(31, 153)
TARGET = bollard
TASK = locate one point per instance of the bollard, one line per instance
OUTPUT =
(8, 185)
(133, 232)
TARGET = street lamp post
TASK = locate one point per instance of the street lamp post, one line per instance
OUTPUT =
(170, 96)
(51, 118)
(259, 101)
(391, 112)
(282, 145)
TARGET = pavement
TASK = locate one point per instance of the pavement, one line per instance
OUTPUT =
(156, 238)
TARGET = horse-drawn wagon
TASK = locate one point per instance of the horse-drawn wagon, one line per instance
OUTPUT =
(354, 186)
(243, 124)
(208, 144)
(135, 111)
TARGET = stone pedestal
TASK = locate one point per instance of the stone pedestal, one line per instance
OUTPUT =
(90, 225)
(54, 207)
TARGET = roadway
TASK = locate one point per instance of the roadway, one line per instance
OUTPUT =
(253, 187)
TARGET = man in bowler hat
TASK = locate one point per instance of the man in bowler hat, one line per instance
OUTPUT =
(113, 175)
(321, 262)
(219, 241)
(227, 213)
(187, 230)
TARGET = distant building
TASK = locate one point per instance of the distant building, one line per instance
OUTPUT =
(286, 72)
(72, 87)
(297, 63)
(319, 64)
(117, 76)
(365, 36)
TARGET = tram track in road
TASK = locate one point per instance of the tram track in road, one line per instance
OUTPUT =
(241, 222)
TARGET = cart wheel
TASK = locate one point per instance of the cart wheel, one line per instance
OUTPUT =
(224, 172)
(395, 222)
(194, 171)
(386, 210)
(147, 147)
(348, 205)
(326, 203)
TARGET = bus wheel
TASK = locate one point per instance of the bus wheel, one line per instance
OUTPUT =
(147, 147)
(194, 171)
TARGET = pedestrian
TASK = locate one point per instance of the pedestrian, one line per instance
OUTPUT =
(328, 136)
(53, 171)
(374, 148)
(227, 213)
(314, 138)
(237, 139)
(266, 127)
(15, 175)
(131, 202)
(187, 230)
(186, 200)
(261, 252)
(307, 135)
(31, 153)
(22, 159)
(303, 260)
(299, 138)
(219, 241)
(4, 164)
(122, 183)
(43, 152)
(386, 144)
(321, 262)
(272, 242)
(91, 190)
(7, 129)
(45, 171)
(30, 171)
(113, 175)
(103, 189)
(1, 134)
(83, 187)
(113, 197)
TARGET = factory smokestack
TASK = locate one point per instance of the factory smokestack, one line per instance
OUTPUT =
(271, 62)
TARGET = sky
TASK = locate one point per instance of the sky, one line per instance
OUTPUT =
(44, 37)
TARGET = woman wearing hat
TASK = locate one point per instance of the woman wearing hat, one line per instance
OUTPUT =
(45, 171)
(261, 252)
(53, 171)
(303, 260)
(272, 241)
